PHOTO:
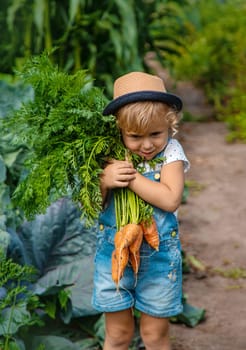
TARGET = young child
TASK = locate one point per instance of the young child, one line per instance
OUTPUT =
(147, 116)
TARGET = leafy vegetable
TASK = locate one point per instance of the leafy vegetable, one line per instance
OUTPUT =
(69, 141)
(67, 136)
(17, 300)
(61, 248)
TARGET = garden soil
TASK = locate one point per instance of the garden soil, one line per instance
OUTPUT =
(213, 231)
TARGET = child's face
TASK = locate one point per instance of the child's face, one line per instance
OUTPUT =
(148, 143)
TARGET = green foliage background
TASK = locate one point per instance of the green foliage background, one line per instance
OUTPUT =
(213, 56)
(108, 37)
(203, 41)
(199, 40)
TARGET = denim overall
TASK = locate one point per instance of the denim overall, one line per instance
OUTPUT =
(157, 289)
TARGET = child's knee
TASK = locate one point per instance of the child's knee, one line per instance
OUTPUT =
(155, 336)
(117, 337)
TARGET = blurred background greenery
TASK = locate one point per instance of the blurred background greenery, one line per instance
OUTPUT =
(203, 41)
(200, 41)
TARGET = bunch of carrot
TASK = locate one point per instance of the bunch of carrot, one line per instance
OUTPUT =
(127, 242)
(134, 222)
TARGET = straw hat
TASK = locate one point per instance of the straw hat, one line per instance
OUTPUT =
(139, 86)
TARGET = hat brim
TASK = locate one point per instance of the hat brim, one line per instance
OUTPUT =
(168, 98)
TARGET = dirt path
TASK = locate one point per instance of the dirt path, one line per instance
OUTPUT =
(213, 229)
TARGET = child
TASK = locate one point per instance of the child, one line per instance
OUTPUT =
(147, 116)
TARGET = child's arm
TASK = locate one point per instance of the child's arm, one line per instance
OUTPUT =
(117, 173)
(166, 194)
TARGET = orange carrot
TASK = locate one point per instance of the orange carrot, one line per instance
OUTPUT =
(115, 268)
(120, 259)
(150, 233)
(123, 257)
(129, 238)
(118, 238)
(134, 256)
(135, 245)
(134, 259)
(127, 243)
(130, 233)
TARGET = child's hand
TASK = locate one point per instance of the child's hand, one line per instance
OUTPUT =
(117, 173)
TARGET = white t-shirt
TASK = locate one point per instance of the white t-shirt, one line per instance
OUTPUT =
(173, 152)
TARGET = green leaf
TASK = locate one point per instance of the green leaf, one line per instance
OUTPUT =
(16, 344)
(38, 15)
(62, 248)
(191, 315)
(13, 318)
(74, 7)
(4, 241)
(99, 328)
(50, 308)
(2, 170)
(52, 342)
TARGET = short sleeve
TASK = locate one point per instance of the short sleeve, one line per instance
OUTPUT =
(173, 152)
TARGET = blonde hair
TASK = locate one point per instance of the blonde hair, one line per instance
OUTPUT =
(138, 116)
